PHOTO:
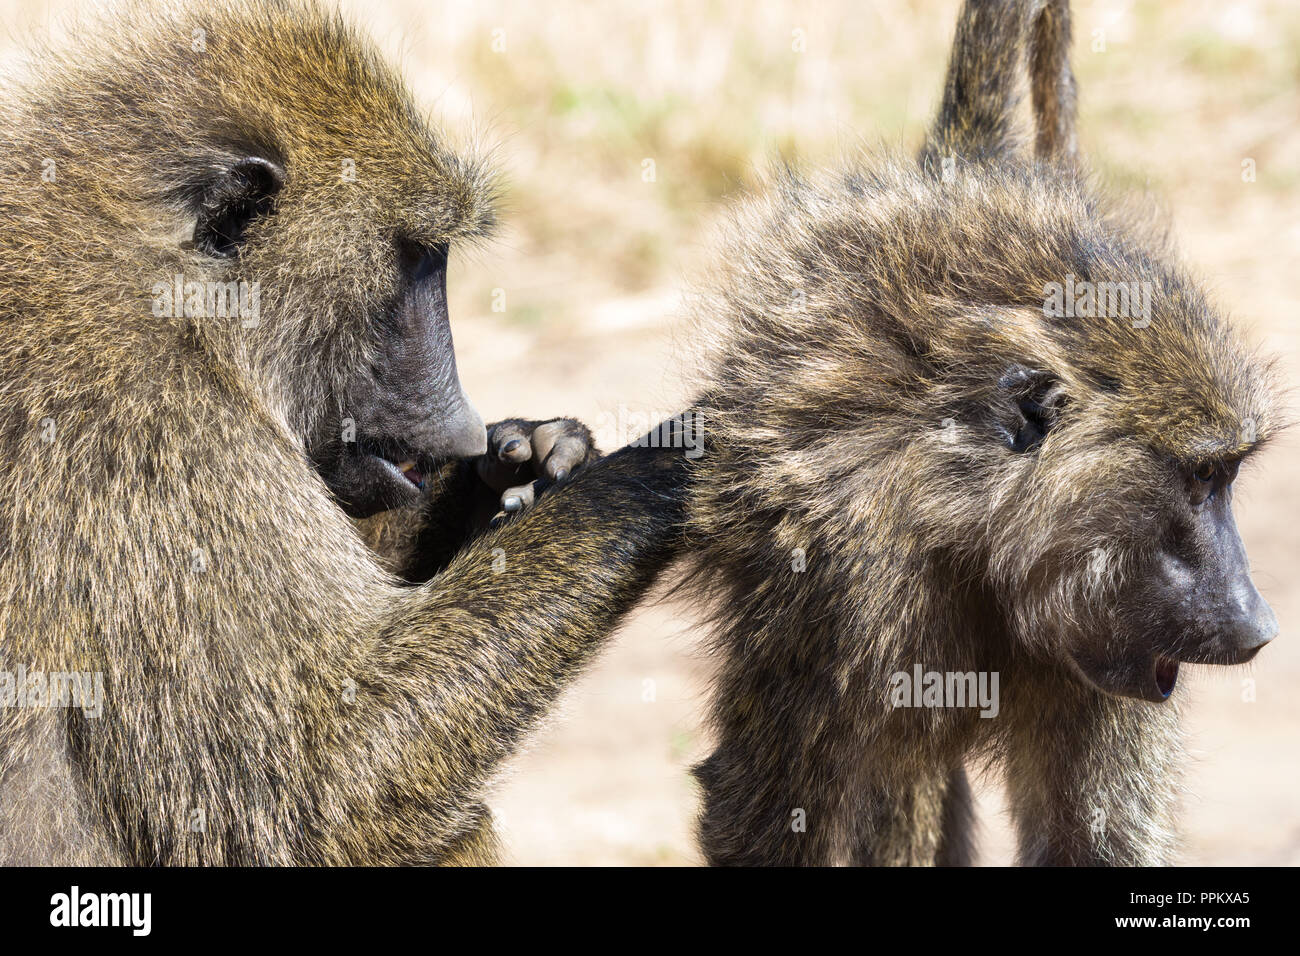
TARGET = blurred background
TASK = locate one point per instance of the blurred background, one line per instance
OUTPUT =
(622, 129)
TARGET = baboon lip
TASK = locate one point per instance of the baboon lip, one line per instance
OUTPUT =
(1230, 657)
(403, 464)
(411, 473)
(408, 469)
(1166, 675)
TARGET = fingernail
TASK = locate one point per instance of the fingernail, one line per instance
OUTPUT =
(512, 504)
(562, 474)
(510, 446)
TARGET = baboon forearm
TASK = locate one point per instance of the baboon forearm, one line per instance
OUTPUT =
(471, 659)
(957, 844)
(1082, 794)
(905, 823)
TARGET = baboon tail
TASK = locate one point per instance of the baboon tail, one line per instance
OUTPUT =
(1052, 83)
(995, 41)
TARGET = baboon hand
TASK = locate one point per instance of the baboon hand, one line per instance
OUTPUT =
(524, 458)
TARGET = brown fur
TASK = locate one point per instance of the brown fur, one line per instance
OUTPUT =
(160, 522)
(856, 417)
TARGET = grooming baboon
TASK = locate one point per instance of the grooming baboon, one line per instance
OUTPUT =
(911, 464)
(171, 481)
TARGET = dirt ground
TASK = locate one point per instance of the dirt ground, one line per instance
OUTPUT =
(1197, 103)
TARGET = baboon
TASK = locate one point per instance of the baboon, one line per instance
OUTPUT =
(922, 472)
(179, 475)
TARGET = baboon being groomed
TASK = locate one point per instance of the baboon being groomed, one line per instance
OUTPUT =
(972, 439)
(224, 232)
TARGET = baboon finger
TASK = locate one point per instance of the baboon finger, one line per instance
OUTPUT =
(500, 475)
(506, 461)
(560, 446)
(519, 497)
(568, 453)
(508, 442)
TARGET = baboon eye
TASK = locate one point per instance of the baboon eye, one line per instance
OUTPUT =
(228, 206)
(1204, 483)
(1210, 478)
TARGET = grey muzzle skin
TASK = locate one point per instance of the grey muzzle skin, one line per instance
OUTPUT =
(1197, 605)
(408, 409)
(1209, 593)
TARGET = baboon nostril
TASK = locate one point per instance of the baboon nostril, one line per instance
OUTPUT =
(1254, 624)
(1254, 633)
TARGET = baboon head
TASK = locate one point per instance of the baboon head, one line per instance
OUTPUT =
(1130, 432)
(273, 149)
(988, 380)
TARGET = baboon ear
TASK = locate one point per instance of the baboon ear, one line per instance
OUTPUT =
(230, 203)
(1037, 399)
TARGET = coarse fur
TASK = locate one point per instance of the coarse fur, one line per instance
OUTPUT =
(866, 503)
(272, 694)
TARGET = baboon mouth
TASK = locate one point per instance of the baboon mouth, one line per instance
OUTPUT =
(411, 473)
(401, 470)
(408, 469)
(1166, 674)
(404, 465)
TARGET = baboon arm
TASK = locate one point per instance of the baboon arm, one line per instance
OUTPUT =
(1092, 779)
(283, 701)
(957, 843)
(495, 636)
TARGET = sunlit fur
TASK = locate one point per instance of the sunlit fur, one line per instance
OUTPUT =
(861, 321)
